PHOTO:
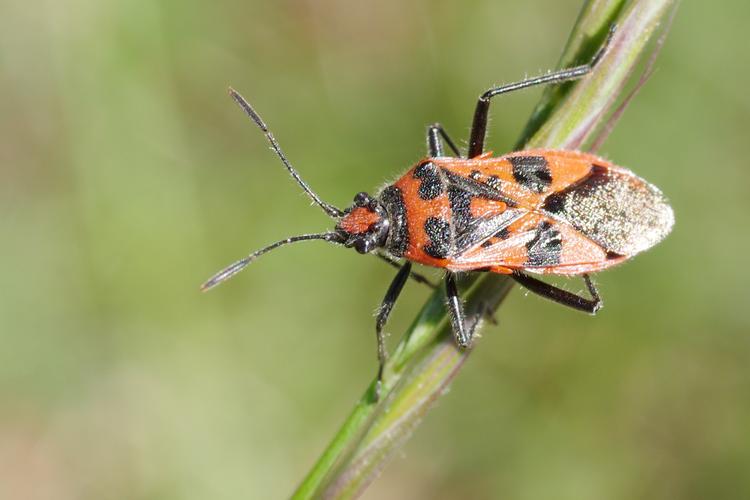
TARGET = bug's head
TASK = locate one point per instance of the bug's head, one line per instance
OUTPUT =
(364, 225)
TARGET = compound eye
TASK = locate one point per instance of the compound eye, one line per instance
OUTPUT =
(363, 245)
(361, 199)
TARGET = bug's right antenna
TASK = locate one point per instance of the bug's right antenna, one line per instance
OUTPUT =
(241, 264)
(328, 209)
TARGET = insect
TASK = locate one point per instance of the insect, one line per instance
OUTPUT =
(539, 211)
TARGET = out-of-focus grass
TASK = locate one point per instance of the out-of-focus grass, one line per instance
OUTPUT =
(127, 177)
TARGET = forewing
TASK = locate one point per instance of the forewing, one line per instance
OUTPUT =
(549, 211)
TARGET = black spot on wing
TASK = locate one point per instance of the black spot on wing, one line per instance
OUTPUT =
(460, 202)
(545, 249)
(613, 255)
(431, 185)
(503, 234)
(555, 203)
(494, 182)
(532, 172)
(439, 233)
(485, 190)
(398, 236)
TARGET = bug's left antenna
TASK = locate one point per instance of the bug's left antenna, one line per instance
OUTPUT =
(327, 208)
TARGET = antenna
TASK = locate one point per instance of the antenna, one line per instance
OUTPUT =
(238, 266)
(328, 209)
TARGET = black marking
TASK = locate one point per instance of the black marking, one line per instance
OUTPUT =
(439, 233)
(613, 255)
(503, 234)
(431, 185)
(468, 231)
(598, 169)
(532, 172)
(475, 175)
(460, 201)
(487, 243)
(398, 236)
(555, 203)
(478, 189)
(494, 182)
(545, 249)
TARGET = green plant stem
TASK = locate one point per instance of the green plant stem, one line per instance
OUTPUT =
(426, 360)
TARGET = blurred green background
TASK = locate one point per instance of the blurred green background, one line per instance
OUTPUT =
(127, 177)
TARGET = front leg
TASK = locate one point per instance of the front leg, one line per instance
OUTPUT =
(394, 290)
(415, 276)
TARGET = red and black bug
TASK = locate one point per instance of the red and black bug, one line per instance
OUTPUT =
(535, 211)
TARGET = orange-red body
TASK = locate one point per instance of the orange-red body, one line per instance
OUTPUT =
(545, 211)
